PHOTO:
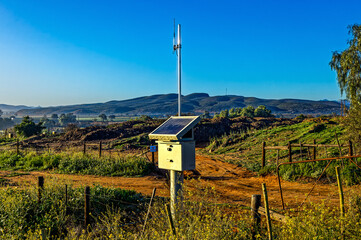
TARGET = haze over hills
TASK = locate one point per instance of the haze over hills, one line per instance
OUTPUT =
(11, 108)
(195, 103)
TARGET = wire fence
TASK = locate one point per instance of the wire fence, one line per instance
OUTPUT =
(90, 149)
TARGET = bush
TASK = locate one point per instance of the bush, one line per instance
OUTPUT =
(28, 128)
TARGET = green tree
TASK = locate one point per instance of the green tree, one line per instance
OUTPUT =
(206, 115)
(48, 123)
(1, 113)
(224, 113)
(103, 117)
(28, 128)
(65, 119)
(54, 116)
(44, 118)
(262, 111)
(232, 112)
(111, 117)
(248, 111)
(347, 65)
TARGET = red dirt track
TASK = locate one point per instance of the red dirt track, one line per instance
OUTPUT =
(232, 184)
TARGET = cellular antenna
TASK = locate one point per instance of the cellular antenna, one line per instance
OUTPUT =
(174, 45)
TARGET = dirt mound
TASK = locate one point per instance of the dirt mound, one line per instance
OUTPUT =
(122, 130)
(210, 128)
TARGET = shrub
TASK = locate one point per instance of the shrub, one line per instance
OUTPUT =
(76, 164)
(28, 128)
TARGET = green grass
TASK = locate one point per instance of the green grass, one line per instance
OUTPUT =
(21, 214)
(76, 164)
(245, 149)
(5, 140)
(22, 217)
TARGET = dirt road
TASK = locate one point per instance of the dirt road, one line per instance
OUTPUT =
(232, 184)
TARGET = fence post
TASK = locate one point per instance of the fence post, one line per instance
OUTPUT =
(314, 149)
(289, 152)
(340, 190)
(17, 147)
(87, 206)
(150, 205)
(84, 148)
(170, 219)
(153, 158)
(100, 149)
(263, 154)
(301, 151)
(264, 189)
(350, 149)
(256, 217)
(66, 199)
(40, 187)
(342, 206)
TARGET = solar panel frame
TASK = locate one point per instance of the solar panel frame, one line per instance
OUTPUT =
(164, 133)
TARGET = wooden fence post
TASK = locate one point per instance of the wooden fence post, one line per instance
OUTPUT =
(278, 157)
(314, 149)
(342, 206)
(100, 149)
(150, 205)
(66, 199)
(170, 219)
(350, 149)
(17, 147)
(256, 217)
(153, 158)
(40, 187)
(263, 154)
(301, 151)
(87, 206)
(84, 148)
(289, 152)
(264, 189)
(340, 190)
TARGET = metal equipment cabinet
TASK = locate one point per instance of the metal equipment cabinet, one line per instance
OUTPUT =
(176, 145)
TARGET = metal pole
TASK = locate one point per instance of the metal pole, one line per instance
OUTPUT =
(179, 46)
(176, 181)
(176, 177)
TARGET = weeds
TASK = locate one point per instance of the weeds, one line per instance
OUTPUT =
(22, 216)
(200, 216)
(76, 164)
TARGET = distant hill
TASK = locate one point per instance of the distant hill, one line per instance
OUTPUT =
(195, 103)
(11, 108)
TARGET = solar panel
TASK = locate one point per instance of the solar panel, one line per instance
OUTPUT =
(173, 126)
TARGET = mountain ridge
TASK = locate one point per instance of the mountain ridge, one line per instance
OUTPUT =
(195, 103)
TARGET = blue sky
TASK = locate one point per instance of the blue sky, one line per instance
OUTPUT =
(69, 52)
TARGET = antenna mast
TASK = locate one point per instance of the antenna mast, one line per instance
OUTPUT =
(177, 47)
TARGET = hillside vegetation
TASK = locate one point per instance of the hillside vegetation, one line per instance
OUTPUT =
(196, 103)
(244, 149)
